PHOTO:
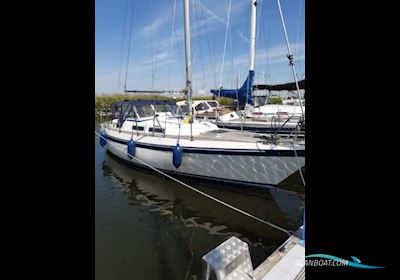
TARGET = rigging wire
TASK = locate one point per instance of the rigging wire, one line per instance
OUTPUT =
(300, 37)
(196, 8)
(129, 43)
(266, 41)
(180, 59)
(172, 39)
(288, 232)
(156, 59)
(122, 45)
(195, 40)
(223, 53)
(232, 72)
(193, 49)
(211, 56)
(151, 46)
(298, 163)
(257, 45)
(290, 55)
(212, 61)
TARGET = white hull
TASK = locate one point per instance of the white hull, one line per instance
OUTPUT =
(273, 110)
(199, 160)
(233, 120)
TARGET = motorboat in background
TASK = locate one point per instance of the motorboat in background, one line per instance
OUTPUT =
(289, 107)
(209, 109)
(225, 118)
(294, 102)
(256, 104)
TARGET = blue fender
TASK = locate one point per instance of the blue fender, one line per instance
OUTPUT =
(131, 148)
(103, 139)
(177, 156)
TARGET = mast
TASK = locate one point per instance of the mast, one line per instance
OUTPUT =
(252, 51)
(188, 89)
(252, 34)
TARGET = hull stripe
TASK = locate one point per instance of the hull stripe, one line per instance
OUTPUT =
(193, 150)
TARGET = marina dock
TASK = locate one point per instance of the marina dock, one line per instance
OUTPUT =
(185, 187)
(231, 260)
(285, 263)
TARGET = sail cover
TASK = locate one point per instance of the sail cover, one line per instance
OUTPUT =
(243, 94)
(288, 86)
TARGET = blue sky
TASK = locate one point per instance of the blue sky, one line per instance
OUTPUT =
(157, 46)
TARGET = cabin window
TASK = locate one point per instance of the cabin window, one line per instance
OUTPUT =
(159, 108)
(260, 100)
(171, 109)
(219, 131)
(156, 129)
(145, 111)
(127, 111)
(139, 128)
(212, 104)
(182, 109)
(123, 107)
(201, 106)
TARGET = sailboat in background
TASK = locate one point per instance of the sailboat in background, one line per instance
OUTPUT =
(257, 116)
(151, 134)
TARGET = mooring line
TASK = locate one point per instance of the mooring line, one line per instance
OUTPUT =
(288, 232)
(298, 164)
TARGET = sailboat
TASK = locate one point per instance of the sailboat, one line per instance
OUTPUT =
(262, 117)
(153, 135)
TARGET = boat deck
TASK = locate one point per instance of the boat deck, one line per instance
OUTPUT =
(240, 136)
(260, 123)
(286, 263)
(233, 135)
(230, 135)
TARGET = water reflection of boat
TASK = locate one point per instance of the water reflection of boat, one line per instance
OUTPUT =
(175, 201)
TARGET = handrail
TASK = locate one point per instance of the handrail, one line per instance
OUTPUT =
(288, 119)
(155, 118)
(218, 118)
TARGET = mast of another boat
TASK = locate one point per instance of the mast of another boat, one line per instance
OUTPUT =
(188, 89)
(252, 42)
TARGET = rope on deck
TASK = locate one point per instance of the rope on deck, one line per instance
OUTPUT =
(288, 232)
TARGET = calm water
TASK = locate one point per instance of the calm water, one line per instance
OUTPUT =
(149, 227)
